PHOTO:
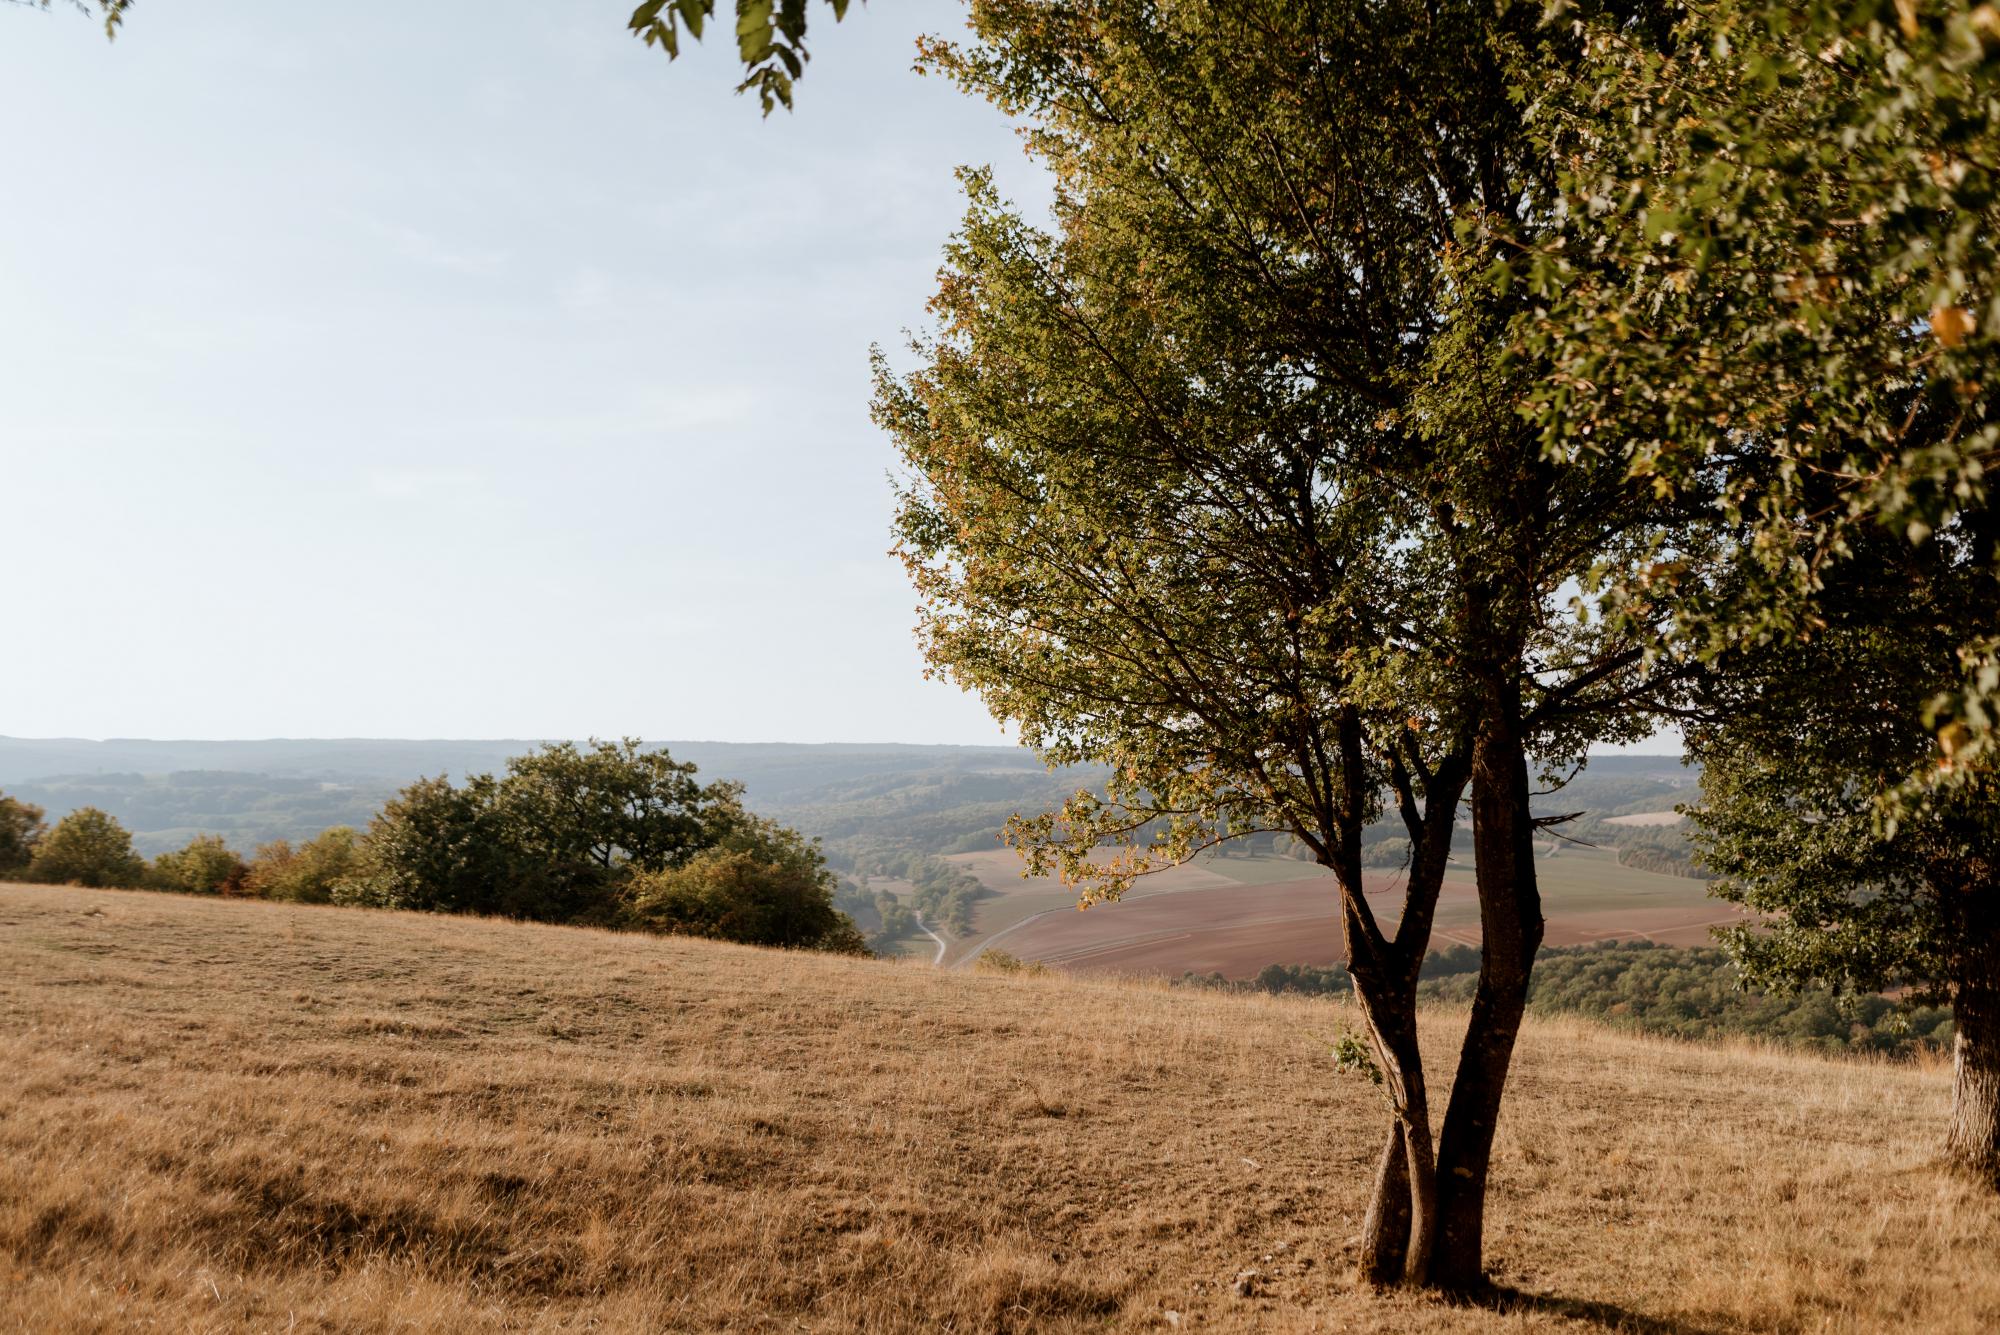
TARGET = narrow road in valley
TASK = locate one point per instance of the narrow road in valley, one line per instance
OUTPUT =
(942, 943)
(966, 963)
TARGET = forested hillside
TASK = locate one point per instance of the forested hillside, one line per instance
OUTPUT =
(860, 799)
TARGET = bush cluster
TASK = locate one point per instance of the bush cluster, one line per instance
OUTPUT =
(607, 835)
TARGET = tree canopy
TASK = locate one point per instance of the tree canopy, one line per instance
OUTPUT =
(1776, 275)
(1222, 483)
(87, 848)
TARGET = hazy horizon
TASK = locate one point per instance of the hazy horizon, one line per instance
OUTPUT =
(1654, 746)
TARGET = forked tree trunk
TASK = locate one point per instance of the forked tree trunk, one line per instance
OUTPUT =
(1974, 1139)
(1510, 915)
(1399, 1232)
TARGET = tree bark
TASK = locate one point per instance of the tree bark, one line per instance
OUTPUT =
(1399, 1232)
(1510, 915)
(1385, 1233)
(1974, 1138)
(1397, 1236)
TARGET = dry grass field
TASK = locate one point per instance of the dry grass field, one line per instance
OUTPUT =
(221, 1116)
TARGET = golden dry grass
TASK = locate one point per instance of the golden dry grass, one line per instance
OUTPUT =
(240, 1116)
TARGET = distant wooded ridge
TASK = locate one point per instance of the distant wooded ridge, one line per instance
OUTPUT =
(26, 758)
(23, 758)
(857, 795)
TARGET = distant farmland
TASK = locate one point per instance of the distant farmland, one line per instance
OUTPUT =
(1235, 915)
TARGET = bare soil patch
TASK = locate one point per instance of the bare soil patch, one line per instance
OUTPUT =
(1236, 930)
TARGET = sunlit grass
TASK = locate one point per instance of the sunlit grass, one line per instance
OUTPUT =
(243, 1116)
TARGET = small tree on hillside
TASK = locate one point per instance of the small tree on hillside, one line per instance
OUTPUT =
(21, 828)
(437, 848)
(1816, 734)
(763, 884)
(87, 847)
(206, 866)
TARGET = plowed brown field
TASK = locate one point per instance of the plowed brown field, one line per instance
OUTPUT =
(1226, 917)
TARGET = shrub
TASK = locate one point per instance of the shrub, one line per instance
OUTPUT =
(21, 829)
(309, 873)
(87, 847)
(206, 866)
(733, 894)
(999, 961)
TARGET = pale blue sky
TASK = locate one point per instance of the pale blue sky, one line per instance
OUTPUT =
(456, 369)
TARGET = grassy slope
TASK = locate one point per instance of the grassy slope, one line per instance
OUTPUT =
(222, 1115)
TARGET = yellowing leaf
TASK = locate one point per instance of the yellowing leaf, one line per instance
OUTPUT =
(1951, 324)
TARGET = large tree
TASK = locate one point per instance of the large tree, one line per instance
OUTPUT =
(1779, 278)
(554, 838)
(1222, 483)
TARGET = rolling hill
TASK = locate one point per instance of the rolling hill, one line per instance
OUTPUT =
(233, 1115)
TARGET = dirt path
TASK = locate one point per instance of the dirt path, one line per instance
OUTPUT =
(943, 944)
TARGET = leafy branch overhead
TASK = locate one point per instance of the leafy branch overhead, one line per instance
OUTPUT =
(114, 11)
(770, 38)
(770, 35)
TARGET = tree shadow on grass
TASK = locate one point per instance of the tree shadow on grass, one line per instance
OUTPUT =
(1607, 1316)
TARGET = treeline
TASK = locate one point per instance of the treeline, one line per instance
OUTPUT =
(608, 835)
(1328, 980)
(937, 809)
(1697, 992)
(167, 809)
(1691, 992)
(1668, 855)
